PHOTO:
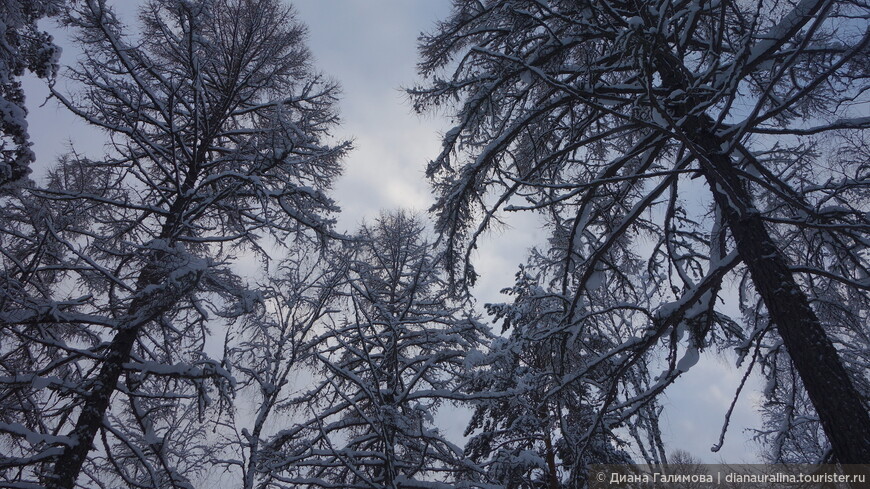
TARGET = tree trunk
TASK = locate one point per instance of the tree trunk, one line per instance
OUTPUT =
(69, 465)
(838, 403)
(143, 309)
(841, 409)
(552, 474)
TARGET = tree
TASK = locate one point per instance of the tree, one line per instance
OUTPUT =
(791, 432)
(683, 463)
(269, 348)
(24, 48)
(216, 124)
(792, 429)
(155, 435)
(40, 330)
(396, 354)
(610, 117)
(530, 429)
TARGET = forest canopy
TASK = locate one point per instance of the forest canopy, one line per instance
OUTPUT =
(181, 308)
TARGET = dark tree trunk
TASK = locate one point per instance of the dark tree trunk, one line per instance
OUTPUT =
(69, 465)
(841, 409)
(552, 474)
(145, 308)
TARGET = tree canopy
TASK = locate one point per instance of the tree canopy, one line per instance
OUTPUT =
(674, 149)
(179, 309)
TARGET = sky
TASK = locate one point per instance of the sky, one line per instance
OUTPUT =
(369, 47)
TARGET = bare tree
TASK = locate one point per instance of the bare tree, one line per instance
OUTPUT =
(385, 366)
(269, 349)
(671, 145)
(683, 463)
(216, 124)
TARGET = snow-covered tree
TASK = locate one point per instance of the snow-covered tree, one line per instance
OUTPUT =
(38, 325)
(23, 48)
(154, 436)
(217, 126)
(672, 146)
(268, 350)
(792, 432)
(534, 430)
(24, 240)
(397, 353)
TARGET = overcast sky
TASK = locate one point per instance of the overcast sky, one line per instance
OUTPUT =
(369, 47)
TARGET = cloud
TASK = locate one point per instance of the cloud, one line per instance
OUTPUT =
(695, 408)
(369, 47)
